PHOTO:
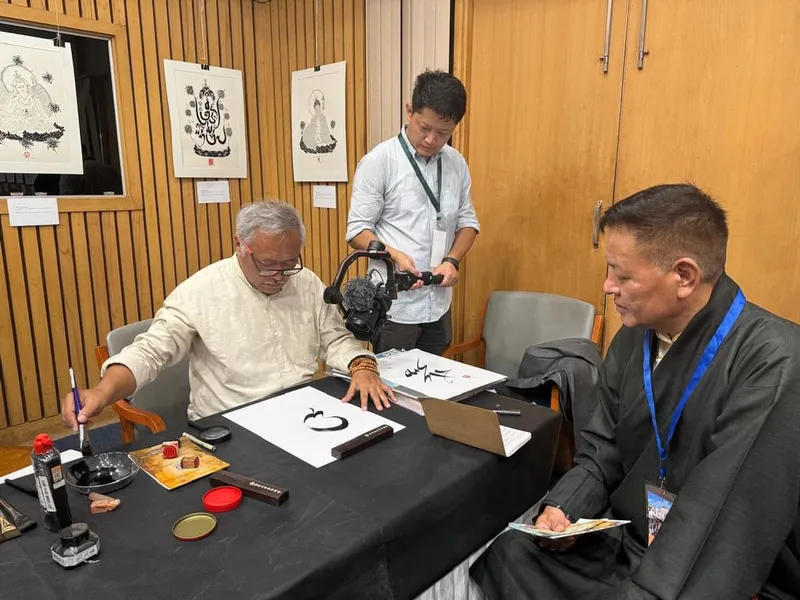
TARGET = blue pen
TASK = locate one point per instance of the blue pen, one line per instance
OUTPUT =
(86, 447)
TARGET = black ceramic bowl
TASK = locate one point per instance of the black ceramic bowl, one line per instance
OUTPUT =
(102, 473)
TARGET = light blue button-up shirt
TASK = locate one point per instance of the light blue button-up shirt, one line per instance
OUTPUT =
(390, 201)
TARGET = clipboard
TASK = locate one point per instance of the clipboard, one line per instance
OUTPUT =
(472, 426)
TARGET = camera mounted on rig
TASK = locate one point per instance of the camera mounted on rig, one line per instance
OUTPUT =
(365, 303)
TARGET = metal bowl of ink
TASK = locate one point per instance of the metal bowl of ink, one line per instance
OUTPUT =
(102, 473)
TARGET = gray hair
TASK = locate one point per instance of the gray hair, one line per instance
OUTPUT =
(270, 216)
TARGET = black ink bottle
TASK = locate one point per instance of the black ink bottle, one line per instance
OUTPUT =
(51, 487)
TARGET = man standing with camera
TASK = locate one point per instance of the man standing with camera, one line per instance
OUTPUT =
(412, 192)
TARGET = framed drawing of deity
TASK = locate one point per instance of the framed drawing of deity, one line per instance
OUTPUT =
(319, 135)
(206, 111)
(39, 130)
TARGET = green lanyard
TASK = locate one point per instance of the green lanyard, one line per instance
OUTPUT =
(434, 199)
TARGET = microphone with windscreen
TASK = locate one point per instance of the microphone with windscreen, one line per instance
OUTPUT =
(359, 294)
(365, 307)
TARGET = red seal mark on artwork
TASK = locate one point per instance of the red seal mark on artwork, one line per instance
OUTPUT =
(210, 162)
(27, 154)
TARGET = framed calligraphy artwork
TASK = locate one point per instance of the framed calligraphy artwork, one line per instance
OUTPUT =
(319, 135)
(206, 110)
(39, 131)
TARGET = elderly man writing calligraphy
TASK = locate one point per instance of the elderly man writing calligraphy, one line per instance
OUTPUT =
(699, 404)
(252, 325)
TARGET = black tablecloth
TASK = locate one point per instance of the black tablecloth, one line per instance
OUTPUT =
(385, 523)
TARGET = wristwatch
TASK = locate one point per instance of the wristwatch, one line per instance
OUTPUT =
(452, 261)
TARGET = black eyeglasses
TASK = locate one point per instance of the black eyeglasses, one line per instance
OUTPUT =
(276, 272)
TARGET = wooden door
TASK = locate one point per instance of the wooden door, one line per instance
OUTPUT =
(540, 139)
(716, 104)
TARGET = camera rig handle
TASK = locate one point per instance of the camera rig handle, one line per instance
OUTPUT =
(406, 280)
(376, 251)
(395, 281)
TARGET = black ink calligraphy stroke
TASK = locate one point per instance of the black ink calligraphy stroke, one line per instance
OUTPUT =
(343, 423)
(428, 376)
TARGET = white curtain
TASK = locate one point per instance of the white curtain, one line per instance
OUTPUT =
(403, 38)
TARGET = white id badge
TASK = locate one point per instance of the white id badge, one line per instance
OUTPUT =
(439, 247)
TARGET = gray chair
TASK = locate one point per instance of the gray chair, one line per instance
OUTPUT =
(512, 321)
(161, 403)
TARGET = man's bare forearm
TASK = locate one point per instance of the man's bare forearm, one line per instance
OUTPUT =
(463, 242)
(362, 240)
(116, 384)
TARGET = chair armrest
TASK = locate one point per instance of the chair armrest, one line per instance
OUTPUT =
(597, 329)
(555, 398)
(128, 412)
(453, 350)
(101, 354)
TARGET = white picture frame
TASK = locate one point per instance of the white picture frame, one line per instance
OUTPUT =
(319, 126)
(39, 128)
(207, 121)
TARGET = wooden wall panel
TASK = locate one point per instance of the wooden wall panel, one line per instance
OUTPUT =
(63, 288)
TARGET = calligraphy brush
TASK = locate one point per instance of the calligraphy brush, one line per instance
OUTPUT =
(21, 488)
(83, 436)
(19, 520)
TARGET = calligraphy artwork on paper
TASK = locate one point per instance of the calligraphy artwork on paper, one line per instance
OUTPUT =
(207, 118)
(39, 128)
(307, 422)
(316, 420)
(207, 122)
(319, 137)
(428, 375)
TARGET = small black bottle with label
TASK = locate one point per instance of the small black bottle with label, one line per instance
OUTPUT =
(51, 488)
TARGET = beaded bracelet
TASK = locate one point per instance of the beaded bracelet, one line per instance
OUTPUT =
(363, 366)
(363, 363)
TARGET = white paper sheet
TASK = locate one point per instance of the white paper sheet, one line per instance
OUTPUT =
(438, 248)
(513, 439)
(286, 421)
(432, 376)
(24, 211)
(407, 402)
(68, 456)
(213, 192)
(325, 196)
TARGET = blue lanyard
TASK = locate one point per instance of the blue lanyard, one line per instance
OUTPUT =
(708, 355)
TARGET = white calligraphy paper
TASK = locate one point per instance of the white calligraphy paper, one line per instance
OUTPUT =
(308, 423)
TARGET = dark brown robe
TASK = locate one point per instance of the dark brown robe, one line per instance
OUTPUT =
(734, 465)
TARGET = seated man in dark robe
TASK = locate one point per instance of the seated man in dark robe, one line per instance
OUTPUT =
(720, 378)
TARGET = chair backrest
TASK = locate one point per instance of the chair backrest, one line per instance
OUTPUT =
(169, 394)
(516, 320)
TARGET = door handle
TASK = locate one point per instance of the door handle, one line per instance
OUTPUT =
(642, 30)
(607, 42)
(596, 229)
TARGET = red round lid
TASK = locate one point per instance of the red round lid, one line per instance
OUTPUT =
(222, 499)
(42, 443)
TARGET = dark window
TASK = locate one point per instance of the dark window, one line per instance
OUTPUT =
(97, 117)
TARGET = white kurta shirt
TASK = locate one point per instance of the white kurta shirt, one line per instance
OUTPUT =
(242, 345)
